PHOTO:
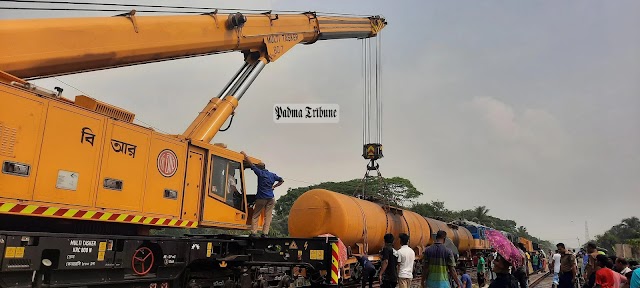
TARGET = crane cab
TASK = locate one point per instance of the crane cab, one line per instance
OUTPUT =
(222, 196)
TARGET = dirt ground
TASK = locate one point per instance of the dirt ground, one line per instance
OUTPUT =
(474, 279)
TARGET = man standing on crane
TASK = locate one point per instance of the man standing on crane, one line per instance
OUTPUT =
(265, 200)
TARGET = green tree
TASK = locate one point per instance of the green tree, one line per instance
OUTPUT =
(502, 224)
(435, 209)
(522, 232)
(627, 230)
(635, 246)
(481, 214)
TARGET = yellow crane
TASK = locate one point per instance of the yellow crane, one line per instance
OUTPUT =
(84, 159)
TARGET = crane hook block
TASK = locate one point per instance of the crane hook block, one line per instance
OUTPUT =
(372, 151)
(236, 20)
(372, 166)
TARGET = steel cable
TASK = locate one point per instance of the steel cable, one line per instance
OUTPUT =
(151, 6)
(364, 109)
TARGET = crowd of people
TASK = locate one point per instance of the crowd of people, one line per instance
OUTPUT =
(589, 268)
(439, 267)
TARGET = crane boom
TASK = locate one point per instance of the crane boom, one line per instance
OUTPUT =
(48, 47)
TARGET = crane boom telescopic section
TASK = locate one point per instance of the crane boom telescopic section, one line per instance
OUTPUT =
(49, 47)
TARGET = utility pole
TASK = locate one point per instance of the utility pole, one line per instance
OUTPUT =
(578, 243)
(586, 231)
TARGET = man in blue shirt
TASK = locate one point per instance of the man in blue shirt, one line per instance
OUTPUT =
(264, 198)
(634, 282)
(465, 278)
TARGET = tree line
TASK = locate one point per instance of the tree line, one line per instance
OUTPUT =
(627, 232)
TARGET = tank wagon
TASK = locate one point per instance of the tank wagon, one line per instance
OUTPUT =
(361, 226)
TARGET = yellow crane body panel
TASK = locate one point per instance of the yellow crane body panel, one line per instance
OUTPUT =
(63, 160)
(124, 166)
(22, 116)
(83, 161)
(165, 176)
(193, 183)
(69, 159)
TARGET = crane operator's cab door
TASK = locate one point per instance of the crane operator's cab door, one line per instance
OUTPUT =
(224, 201)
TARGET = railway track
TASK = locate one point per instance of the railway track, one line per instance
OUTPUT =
(538, 280)
(415, 283)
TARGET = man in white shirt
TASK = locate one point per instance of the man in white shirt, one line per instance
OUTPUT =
(555, 261)
(405, 263)
(622, 265)
(493, 256)
(234, 196)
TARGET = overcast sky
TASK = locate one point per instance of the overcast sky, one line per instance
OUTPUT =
(529, 108)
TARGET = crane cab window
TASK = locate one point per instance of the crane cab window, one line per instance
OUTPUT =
(218, 176)
(226, 182)
(234, 195)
